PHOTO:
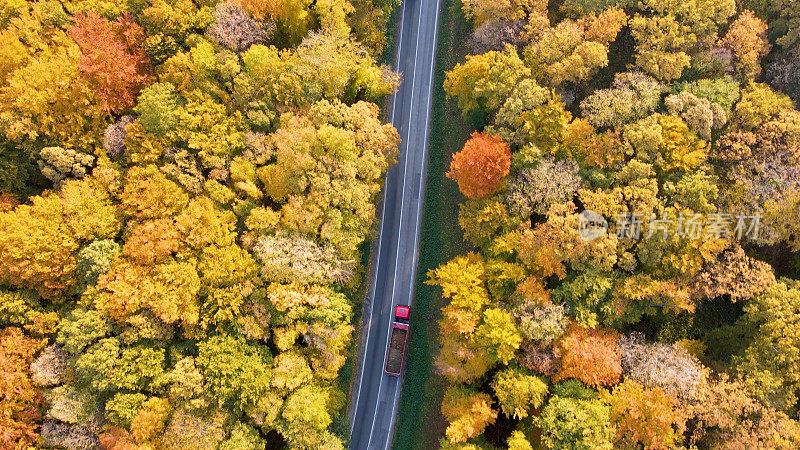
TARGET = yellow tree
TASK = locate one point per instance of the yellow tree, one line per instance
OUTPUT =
(150, 419)
(479, 11)
(468, 412)
(759, 104)
(662, 43)
(334, 66)
(462, 280)
(89, 209)
(291, 371)
(574, 51)
(149, 194)
(649, 417)
(460, 358)
(48, 98)
(203, 223)
(518, 391)
(170, 290)
(37, 247)
(483, 82)
(152, 241)
(747, 37)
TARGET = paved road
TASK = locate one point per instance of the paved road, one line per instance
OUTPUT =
(395, 254)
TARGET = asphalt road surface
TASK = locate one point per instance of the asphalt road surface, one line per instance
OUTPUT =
(394, 257)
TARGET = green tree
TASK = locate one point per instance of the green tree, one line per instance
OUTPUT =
(137, 367)
(587, 295)
(95, 366)
(518, 391)
(632, 96)
(484, 82)
(96, 259)
(485, 219)
(334, 66)
(499, 334)
(243, 437)
(771, 316)
(531, 115)
(168, 25)
(122, 408)
(570, 423)
(158, 108)
(80, 328)
(22, 308)
(518, 441)
(723, 91)
(236, 372)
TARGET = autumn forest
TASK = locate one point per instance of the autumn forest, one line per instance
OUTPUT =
(188, 194)
(185, 188)
(631, 197)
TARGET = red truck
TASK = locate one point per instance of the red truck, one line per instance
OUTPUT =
(397, 342)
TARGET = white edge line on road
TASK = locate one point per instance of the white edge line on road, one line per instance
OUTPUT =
(400, 227)
(419, 200)
(380, 235)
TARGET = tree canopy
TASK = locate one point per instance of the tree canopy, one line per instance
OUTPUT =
(184, 190)
(629, 274)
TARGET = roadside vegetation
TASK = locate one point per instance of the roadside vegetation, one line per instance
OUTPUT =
(631, 196)
(186, 188)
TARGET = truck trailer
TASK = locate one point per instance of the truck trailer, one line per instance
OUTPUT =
(397, 342)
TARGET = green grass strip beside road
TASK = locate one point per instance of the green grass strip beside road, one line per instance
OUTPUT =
(419, 421)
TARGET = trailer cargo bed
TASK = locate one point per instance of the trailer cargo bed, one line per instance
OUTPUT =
(397, 349)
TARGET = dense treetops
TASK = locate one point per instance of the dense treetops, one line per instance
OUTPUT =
(184, 190)
(675, 325)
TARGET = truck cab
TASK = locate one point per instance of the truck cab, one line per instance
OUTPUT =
(397, 341)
